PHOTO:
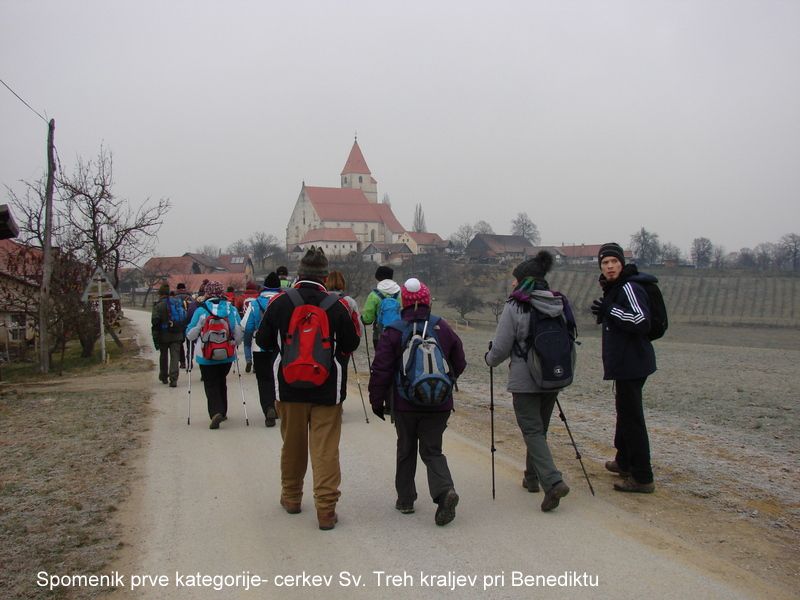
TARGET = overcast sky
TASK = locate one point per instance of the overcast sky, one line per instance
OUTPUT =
(594, 117)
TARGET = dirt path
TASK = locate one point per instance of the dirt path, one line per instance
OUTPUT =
(206, 502)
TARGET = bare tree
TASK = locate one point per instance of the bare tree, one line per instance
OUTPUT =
(765, 256)
(645, 246)
(465, 300)
(462, 236)
(496, 306)
(263, 246)
(670, 251)
(240, 248)
(419, 219)
(718, 257)
(790, 248)
(523, 226)
(483, 227)
(746, 259)
(209, 250)
(101, 227)
(701, 252)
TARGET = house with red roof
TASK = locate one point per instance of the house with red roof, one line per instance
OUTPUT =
(344, 219)
(423, 242)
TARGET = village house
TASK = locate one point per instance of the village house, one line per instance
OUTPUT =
(486, 247)
(18, 266)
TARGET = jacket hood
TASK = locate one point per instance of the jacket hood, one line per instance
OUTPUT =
(419, 313)
(387, 286)
(219, 307)
(547, 303)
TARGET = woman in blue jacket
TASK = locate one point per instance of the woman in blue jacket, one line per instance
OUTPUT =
(216, 322)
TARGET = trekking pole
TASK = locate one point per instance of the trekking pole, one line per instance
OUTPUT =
(241, 389)
(491, 413)
(189, 399)
(369, 362)
(577, 454)
(358, 381)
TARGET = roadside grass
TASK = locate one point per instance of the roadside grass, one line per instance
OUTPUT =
(65, 448)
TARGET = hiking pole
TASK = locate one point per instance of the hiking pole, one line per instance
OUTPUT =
(358, 381)
(241, 389)
(189, 399)
(491, 413)
(577, 454)
(369, 362)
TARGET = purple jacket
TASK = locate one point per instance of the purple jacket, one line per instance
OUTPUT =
(388, 359)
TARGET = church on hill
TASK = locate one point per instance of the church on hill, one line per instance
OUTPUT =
(344, 219)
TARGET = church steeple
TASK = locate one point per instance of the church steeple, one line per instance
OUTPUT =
(356, 174)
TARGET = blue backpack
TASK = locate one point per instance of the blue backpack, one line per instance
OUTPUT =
(424, 376)
(177, 315)
(388, 309)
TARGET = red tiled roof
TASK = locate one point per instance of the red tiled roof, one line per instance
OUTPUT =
(9, 248)
(193, 280)
(235, 263)
(423, 238)
(503, 244)
(346, 204)
(329, 234)
(355, 162)
(159, 265)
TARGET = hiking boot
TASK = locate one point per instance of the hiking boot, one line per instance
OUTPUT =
(290, 507)
(270, 420)
(554, 495)
(327, 520)
(611, 465)
(629, 484)
(182, 365)
(215, 421)
(224, 418)
(531, 486)
(404, 507)
(173, 383)
(163, 380)
(446, 511)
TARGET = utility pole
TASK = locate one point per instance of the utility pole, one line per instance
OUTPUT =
(47, 263)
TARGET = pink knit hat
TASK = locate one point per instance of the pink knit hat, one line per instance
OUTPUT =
(415, 292)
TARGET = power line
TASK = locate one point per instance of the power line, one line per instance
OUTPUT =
(23, 101)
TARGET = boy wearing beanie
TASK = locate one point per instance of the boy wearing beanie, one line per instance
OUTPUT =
(167, 337)
(628, 359)
(311, 417)
(418, 428)
(533, 406)
(387, 292)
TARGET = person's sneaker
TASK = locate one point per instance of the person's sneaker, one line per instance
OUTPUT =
(215, 421)
(531, 486)
(404, 507)
(446, 511)
(270, 417)
(290, 507)
(611, 465)
(629, 484)
(327, 520)
(554, 495)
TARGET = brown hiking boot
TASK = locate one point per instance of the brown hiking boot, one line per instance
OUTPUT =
(631, 485)
(611, 465)
(531, 486)
(215, 421)
(327, 520)
(290, 507)
(554, 495)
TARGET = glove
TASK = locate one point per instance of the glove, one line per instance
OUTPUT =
(598, 309)
(378, 412)
(248, 367)
(157, 346)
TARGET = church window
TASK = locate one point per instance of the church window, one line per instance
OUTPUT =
(360, 179)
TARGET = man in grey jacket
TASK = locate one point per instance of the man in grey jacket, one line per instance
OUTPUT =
(532, 405)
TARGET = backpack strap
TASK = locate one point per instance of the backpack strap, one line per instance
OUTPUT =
(327, 302)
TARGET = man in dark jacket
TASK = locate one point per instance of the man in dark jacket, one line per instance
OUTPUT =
(311, 417)
(415, 425)
(628, 359)
(167, 337)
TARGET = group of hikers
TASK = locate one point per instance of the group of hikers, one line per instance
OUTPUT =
(299, 338)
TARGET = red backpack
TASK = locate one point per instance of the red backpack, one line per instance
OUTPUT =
(215, 335)
(307, 354)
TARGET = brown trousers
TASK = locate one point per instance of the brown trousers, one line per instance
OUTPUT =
(313, 429)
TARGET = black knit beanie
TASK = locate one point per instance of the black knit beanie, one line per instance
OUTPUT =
(384, 272)
(611, 249)
(272, 281)
(536, 267)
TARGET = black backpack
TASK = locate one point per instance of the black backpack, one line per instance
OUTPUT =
(549, 351)
(658, 310)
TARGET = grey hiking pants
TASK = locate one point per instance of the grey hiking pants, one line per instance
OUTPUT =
(533, 413)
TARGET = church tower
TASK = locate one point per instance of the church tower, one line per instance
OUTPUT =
(356, 174)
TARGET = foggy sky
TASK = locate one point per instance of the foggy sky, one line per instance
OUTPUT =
(594, 117)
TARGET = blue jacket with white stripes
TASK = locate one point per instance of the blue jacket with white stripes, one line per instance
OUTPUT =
(627, 351)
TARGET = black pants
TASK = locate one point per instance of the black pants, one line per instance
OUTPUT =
(265, 379)
(630, 438)
(168, 361)
(216, 386)
(423, 430)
